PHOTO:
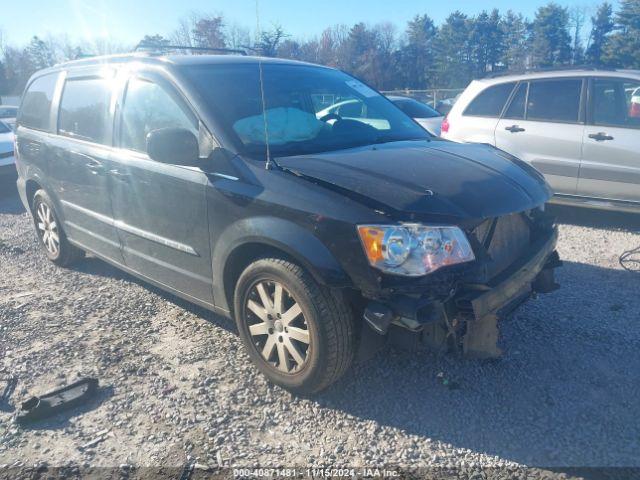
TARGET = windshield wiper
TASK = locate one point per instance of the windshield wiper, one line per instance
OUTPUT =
(386, 139)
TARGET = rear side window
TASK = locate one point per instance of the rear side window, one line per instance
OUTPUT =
(554, 100)
(491, 101)
(84, 109)
(148, 107)
(35, 111)
(616, 102)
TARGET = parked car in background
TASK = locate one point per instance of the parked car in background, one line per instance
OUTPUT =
(634, 108)
(445, 106)
(428, 117)
(8, 115)
(324, 233)
(7, 159)
(580, 128)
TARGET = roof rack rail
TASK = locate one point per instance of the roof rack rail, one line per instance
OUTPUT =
(558, 68)
(164, 48)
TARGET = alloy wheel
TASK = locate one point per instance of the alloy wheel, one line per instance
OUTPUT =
(48, 229)
(277, 326)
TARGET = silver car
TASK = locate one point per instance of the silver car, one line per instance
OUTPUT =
(7, 158)
(8, 115)
(427, 117)
(581, 128)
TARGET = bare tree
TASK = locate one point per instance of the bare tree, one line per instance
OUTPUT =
(577, 21)
(237, 36)
(183, 34)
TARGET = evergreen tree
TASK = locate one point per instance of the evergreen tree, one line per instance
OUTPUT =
(623, 49)
(487, 45)
(601, 26)
(270, 41)
(515, 40)
(551, 43)
(40, 54)
(416, 58)
(155, 40)
(453, 51)
(209, 32)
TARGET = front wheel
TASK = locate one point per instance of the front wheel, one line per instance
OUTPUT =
(50, 233)
(298, 333)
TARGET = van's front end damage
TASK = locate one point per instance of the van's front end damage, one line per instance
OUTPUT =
(516, 258)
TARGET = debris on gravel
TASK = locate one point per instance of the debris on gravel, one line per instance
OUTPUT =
(178, 388)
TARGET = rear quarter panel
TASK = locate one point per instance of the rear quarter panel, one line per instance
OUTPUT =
(466, 128)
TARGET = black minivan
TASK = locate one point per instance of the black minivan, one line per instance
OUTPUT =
(231, 182)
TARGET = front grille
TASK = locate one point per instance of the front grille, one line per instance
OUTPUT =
(505, 239)
(6, 155)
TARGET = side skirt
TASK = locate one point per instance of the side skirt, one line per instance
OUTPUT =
(185, 296)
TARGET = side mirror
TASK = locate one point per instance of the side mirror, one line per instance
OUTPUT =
(177, 146)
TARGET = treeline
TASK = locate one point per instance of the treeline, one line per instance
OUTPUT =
(421, 55)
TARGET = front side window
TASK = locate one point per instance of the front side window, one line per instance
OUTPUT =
(84, 109)
(36, 106)
(554, 100)
(149, 107)
(490, 102)
(308, 109)
(616, 102)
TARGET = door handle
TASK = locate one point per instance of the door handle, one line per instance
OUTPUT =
(514, 129)
(600, 136)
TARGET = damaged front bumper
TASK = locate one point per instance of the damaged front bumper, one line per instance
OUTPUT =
(468, 319)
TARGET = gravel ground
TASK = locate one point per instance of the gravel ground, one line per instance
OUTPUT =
(178, 388)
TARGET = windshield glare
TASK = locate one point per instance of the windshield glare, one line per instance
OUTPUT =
(308, 109)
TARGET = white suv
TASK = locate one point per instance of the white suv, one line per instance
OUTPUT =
(581, 128)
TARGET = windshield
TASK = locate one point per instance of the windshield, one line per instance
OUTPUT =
(416, 109)
(308, 109)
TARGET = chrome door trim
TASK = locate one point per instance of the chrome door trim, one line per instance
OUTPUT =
(134, 230)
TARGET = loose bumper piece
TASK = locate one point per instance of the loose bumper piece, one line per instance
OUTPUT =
(469, 318)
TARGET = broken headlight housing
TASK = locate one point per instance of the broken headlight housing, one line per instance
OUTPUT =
(413, 249)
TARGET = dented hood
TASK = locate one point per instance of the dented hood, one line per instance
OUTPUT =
(417, 178)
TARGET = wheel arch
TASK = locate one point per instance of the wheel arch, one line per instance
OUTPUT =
(249, 239)
(31, 187)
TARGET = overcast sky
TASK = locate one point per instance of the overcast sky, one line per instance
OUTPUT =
(127, 21)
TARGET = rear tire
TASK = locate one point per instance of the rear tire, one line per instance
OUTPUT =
(299, 334)
(50, 233)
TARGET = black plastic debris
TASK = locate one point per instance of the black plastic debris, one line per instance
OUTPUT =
(49, 404)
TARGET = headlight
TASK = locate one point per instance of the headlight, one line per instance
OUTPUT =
(413, 249)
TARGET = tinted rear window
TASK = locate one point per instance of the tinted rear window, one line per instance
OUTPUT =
(416, 109)
(491, 101)
(554, 100)
(84, 109)
(36, 105)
